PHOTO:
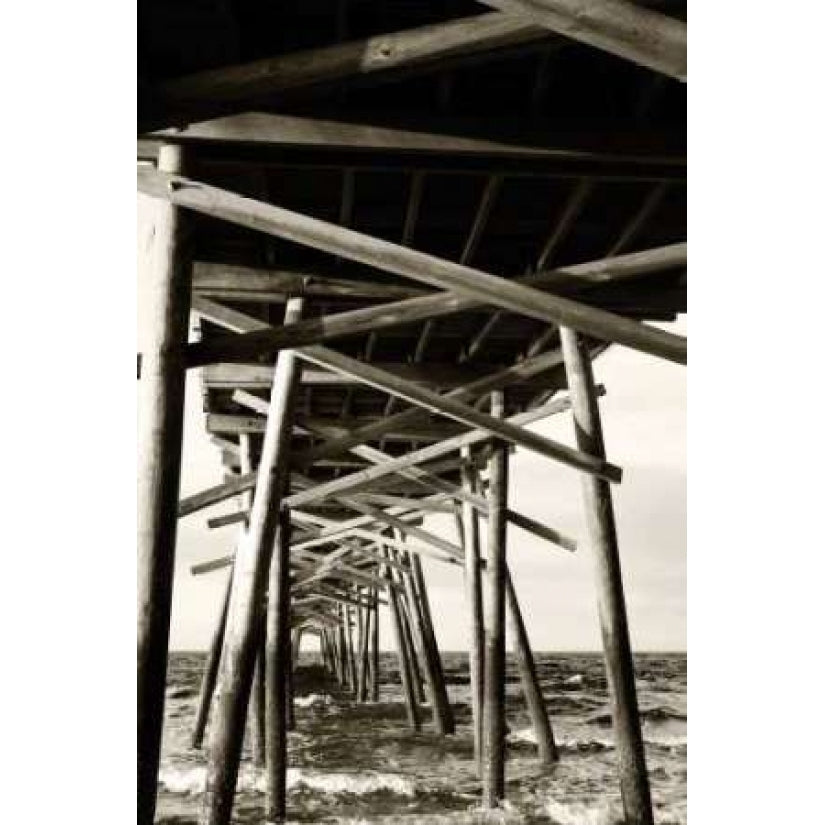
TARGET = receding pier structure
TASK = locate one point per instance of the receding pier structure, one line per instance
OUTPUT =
(405, 231)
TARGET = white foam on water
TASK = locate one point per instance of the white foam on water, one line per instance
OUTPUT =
(311, 700)
(574, 681)
(580, 813)
(528, 736)
(192, 780)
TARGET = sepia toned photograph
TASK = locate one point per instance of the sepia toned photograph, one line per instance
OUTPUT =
(412, 394)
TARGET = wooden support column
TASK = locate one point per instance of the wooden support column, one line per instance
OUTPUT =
(374, 668)
(160, 434)
(404, 667)
(342, 648)
(353, 667)
(601, 526)
(417, 596)
(277, 668)
(529, 678)
(210, 671)
(364, 651)
(294, 644)
(494, 655)
(252, 561)
(415, 652)
(475, 605)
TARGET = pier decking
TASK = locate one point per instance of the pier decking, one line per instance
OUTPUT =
(405, 231)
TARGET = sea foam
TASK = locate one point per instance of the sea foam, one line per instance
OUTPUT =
(192, 780)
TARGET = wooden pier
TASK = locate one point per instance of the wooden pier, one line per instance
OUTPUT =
(405, 232)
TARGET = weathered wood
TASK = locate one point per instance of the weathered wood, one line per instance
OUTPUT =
(414, 48)
(471, 536)
(439, 700)
(277, 667)
(258, 697)
(416, 654)
(251, 570)
(255, 285)
(529, 678)
(427, 144)
(364, 622)
(375, 672)
(229, 518)
(418, 266)
(450, 408)
(432, 375)
(627, 30)
(353, 663)
(163, 373)
(494, 656)
(404, 665)
(609, 590)
(210, 671)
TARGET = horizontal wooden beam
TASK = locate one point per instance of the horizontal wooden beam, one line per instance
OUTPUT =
(436, 375)
(256, 285)
(419, 266)
(469, 145)
(258, 338)
(392, 52)
(625, 29)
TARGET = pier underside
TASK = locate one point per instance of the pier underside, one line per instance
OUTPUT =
(404, 230)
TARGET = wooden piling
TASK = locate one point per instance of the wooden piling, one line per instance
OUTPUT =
(443, 718)
(161, 388)
(404, 666)
(252, 561)
(609, 590)
(494, 654)
(258, 700)
(415, 652)
(290, 683)
(475, 604)
(210, 671)
(529, 678)
(374, 669)
(363, 655)
(353, 668)
(277, 667)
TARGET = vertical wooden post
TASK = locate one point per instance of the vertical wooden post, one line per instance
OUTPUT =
(494, 656)
(258, 699)
(210, 671)
(475, 603)
(290, 683)
(162, 384)
(404, 666)
(363, 656)
(529, 678)
(252, 561)
(342, 648)
(414, 653)
(353, 669)
(276, 667)
(609, 590)
(433, 671)
(374, 670)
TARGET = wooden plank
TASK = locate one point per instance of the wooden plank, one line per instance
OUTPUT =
(627, 30)
(256, 285)
(417, 47)
(432, 374)
(260, 339)
(419, 266)
(460, 412)
(159, 437)
(618, 654)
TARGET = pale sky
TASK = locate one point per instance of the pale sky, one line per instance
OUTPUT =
(644, 420)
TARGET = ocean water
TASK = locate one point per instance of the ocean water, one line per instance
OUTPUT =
(352, 763)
